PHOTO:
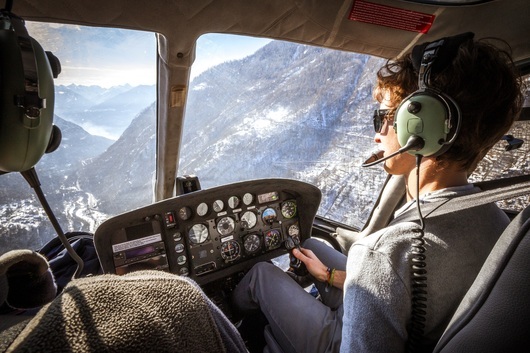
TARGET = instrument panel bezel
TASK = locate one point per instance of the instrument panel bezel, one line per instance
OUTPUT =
(174, 230)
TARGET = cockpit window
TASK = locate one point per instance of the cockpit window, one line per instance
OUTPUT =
(105, 107)
(509, 157)
(295, 111)
(291, 111)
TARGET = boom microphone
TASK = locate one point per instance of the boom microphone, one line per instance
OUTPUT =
(413, 143)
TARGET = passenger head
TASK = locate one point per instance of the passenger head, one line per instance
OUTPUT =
(481, 79)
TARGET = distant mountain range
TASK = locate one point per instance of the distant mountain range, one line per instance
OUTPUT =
(101, 111)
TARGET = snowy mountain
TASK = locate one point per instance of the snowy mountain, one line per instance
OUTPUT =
(308, 102)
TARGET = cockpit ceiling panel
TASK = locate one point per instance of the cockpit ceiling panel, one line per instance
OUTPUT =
(325, 23)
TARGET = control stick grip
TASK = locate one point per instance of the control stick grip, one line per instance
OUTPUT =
(296, 265)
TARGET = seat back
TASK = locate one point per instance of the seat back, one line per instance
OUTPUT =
(494, 315)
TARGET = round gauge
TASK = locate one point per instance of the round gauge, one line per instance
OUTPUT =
(248, 198)
(248, 220)
(225, 225)
(233, 201)
(202, 209)
(198, 233)
(179, 248)
(218, 205)
(181, 260)
(184, 271)
(230, 250)
(272, 239)
(177, 236)
(289, 209)
(269, 215)
(252, 243)
(294, 230)
(184, 213)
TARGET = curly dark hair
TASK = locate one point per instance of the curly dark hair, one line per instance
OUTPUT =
(481, 79)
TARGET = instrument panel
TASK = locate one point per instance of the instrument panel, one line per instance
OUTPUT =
(210, 234)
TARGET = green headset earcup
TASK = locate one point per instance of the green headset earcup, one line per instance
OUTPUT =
(425, 115)
(23, 141)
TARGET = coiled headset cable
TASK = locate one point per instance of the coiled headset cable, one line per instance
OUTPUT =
(418, 274)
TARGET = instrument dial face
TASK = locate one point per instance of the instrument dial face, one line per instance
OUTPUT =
(181, 260)
(272, 239)
(233, 202)
(202, 209)
(230, 250)
(198, 233)
(248, 198)
(248, 220)
(294, 230)
(179, 248)
(269, 215)
(218, 205)
(289, 209)
(252, 243)
(225, 225)
(184, 213)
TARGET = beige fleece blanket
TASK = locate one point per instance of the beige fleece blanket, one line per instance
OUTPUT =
(145, 311)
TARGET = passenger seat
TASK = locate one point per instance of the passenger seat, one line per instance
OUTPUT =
(494, 315)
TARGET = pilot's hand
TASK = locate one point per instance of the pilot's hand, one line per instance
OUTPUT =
(315, 267)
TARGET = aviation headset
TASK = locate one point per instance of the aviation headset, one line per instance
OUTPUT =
(428, 113)
(26, 97)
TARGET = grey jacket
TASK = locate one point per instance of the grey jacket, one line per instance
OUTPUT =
(377, 313)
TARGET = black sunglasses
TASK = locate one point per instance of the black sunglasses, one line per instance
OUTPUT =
(380, 115)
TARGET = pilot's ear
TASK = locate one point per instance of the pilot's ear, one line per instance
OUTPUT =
(25, 280)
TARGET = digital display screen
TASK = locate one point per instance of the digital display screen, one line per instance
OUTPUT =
(268, 197)
(139, 251)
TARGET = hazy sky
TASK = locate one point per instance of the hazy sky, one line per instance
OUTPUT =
(213, 49)
(110, 57)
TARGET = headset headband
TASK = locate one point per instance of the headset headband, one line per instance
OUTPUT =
(432, 58)
(30, 101)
